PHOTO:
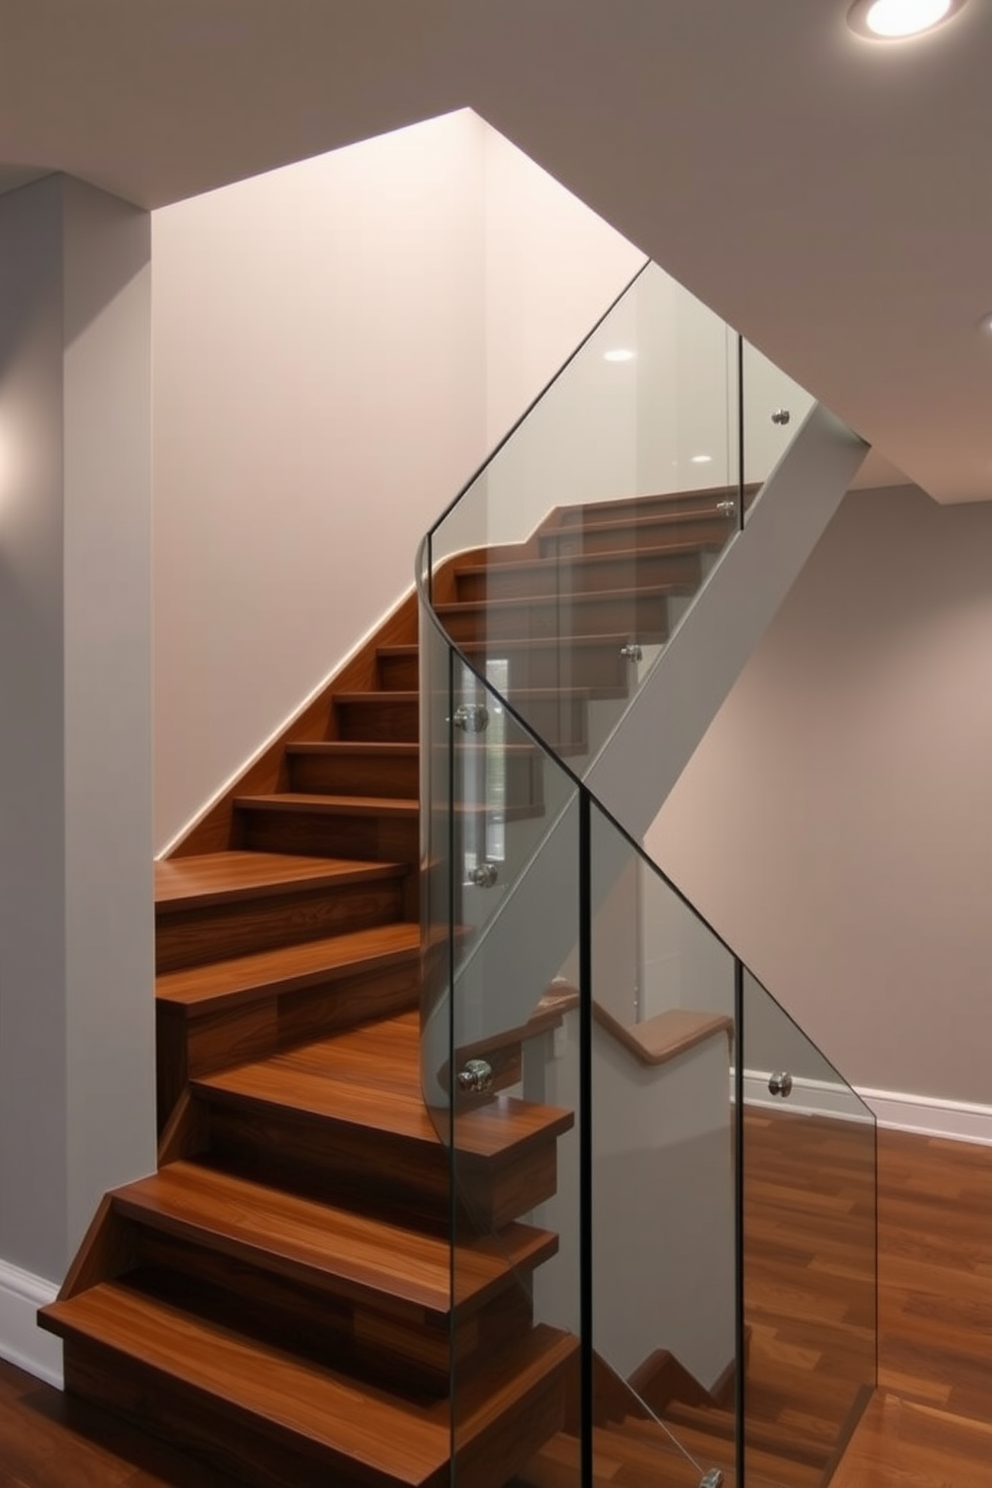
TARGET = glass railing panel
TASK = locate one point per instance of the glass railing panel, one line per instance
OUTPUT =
(509, 1075)
(573, 555)
(773, 407)
(437, 873)
(809, 1251)
(664, 1276)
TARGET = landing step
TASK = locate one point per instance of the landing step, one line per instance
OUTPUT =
(201, 1376)
(355, 1257)
(202, 990)
(370, 1078)
(214, 878)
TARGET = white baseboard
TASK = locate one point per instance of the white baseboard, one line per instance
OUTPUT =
(808, 1098)
(22, 1342)
(928, 1116)
(923, 1115)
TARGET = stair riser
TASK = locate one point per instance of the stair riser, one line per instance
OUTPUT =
(591, 666)
(354, 775)
(581, 541)
(398, 1346)
(570, 579)
(379, 720)
(377, 839)
(524, 779)
(383, 1340)
(219, 1435)
(647, 616)
(395, 1178)
(401, 673)
(191, 937)
(199, 1044)
(499, 1451)
(560, 722)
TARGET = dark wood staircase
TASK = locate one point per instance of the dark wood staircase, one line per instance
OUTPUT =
(277, 1297)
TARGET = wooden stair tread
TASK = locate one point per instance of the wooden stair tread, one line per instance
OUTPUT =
(680, 502)
(361, 1257)
(610, 642)
(660, 520)
(391, 806)
(369, 1077)
(247, 1378)
(594, 596)
(182, 883)
(665, 1036)
(634, 556)
(391, 1439)
(203, 989)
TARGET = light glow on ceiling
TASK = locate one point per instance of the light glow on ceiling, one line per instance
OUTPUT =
(893, 20)
(619, 354)
(701, 460)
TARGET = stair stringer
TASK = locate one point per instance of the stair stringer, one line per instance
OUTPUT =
(639, 764)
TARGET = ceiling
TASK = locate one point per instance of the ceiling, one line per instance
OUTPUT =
(829, 196)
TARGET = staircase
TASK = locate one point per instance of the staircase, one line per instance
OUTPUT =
(277, 1296)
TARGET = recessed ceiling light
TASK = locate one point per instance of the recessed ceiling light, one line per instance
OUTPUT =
(891, 20)
(701, 460)
(619, 354)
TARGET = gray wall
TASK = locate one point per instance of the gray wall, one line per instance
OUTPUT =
(834, 824)
(76, 1010)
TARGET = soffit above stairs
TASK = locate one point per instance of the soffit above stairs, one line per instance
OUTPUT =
(826, 195)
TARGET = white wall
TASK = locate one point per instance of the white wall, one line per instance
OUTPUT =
(76, 977)
(552, 268)
(318, 397)
(834, 822)
(335, 346)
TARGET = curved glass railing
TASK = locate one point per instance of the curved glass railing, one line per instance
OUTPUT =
(596, 1059)
(568, 563)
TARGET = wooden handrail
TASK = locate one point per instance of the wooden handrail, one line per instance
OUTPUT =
(664, 1037)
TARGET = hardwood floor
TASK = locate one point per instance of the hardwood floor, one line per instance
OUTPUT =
(930, 1424)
